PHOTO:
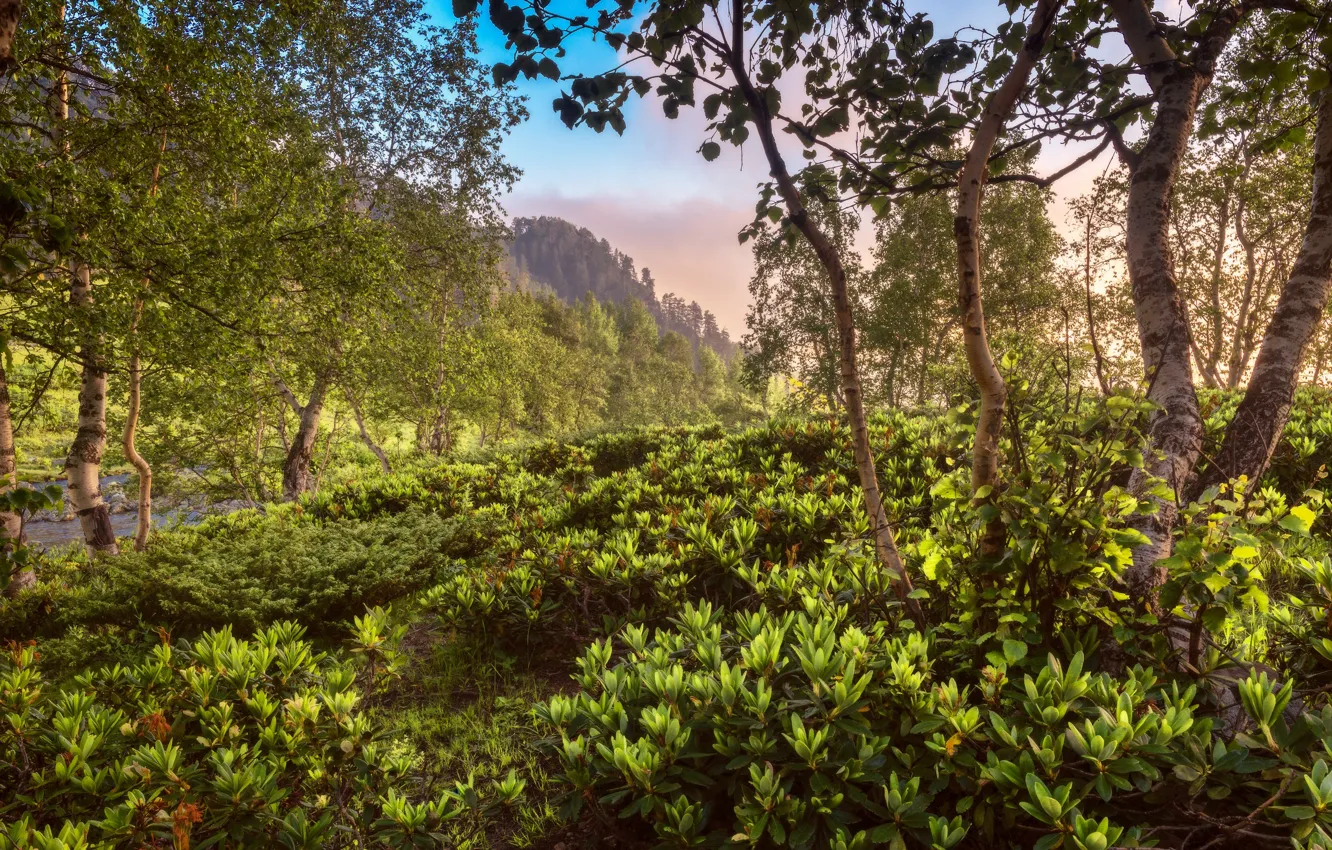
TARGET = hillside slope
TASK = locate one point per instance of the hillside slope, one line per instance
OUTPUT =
(571, 261)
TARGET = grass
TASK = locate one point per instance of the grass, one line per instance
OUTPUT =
(470, 721)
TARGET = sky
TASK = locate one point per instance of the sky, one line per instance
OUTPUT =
(653, 196)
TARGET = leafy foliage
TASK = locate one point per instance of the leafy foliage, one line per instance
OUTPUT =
(741, 673)
(280, 568)
(216, 742)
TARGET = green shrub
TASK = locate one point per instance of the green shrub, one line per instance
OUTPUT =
(319, 574)
(754, 682)
(226, 742)
(807, 731)
(471, 720)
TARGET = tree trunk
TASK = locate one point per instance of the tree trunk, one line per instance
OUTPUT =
(1253, 434)
(1240, 349)
(966, 232)
(1210, 379)
(1217, 312)
(260, 428)
(365, 434)
(296, 468)
(891, 378)
(10, 10)
(1163, 331)
(145, 514)
(923, 374)
(11, 524)
(442, 439)
(1101, 379)
(83, 467)
(885, 543)
(328, 452)
(145, 471)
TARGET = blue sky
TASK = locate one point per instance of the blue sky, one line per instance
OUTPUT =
(649, 192)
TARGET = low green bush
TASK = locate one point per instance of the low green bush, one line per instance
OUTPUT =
(804, 730)
(218, 742)
(319, 574)
(751, 678)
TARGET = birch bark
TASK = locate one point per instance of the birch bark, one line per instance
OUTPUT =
(140, 464)
(10, 10)
(365, 433)
(145, 470)
(966, 233)
(1163, 330)
(296, 468)
(83, 466)
(852, 398)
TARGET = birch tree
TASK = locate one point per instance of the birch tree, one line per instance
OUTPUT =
(792, 328)
(1178, 63)
(876, 69)
(966, 231)
(412, 126)
(1254, 431)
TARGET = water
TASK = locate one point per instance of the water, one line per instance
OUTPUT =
(47, 534)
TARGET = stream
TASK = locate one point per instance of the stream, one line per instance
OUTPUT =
(45, 532)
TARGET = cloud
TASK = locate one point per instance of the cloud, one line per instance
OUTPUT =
(689, 245)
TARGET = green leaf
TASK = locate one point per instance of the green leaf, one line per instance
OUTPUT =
(1130, 537)
(1216, 583)
(1318, 80)
(1048, 841)
(1299, 520)
(1014, 651)
(1214, 618)
(710, 150)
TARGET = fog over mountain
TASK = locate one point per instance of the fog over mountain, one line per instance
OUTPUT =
(571, 261)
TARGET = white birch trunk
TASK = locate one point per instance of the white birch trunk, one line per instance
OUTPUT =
(1163, 330)
(11, 524)
(296, 478)
(884, 539)
(365, 433)
(145, 520)
(83, 466)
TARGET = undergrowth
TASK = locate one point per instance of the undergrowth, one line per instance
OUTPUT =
(684, 631)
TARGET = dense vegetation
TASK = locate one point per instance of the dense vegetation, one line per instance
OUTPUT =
(740, 662)
(993, 531)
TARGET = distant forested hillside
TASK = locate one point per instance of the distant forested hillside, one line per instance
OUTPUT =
(551, 253)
